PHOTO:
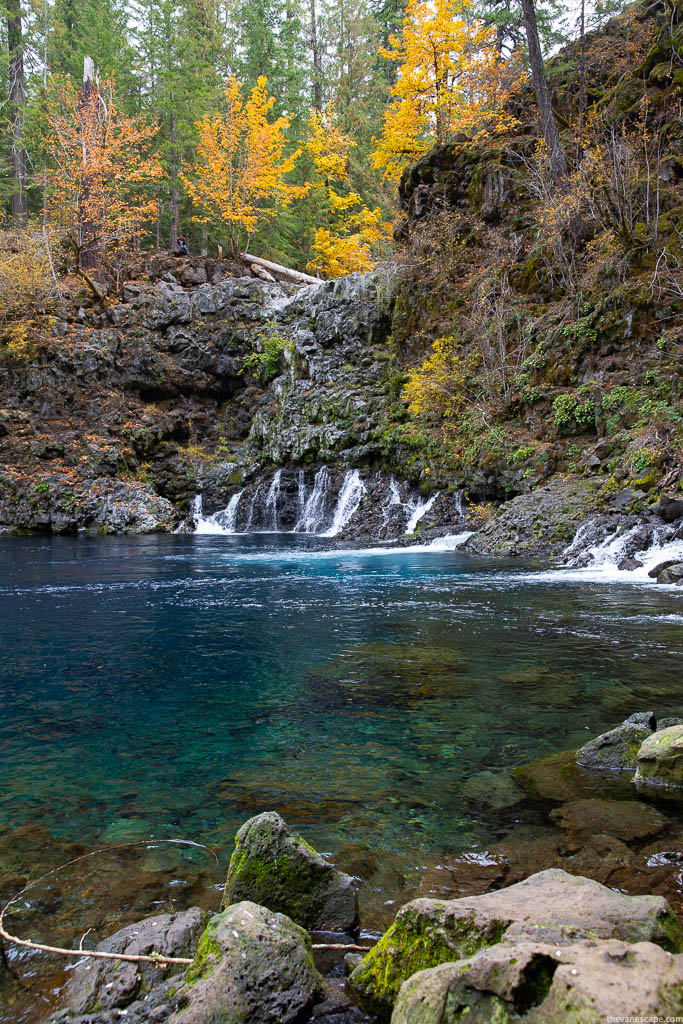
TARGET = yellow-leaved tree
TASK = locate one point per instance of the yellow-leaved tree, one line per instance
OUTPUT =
(450, 77)
(101, 171)
(239, 176)
(350, 233)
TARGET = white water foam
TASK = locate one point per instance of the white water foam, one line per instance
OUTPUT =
(220, 522)
(350, 496)
(420, 509)
(606, 556)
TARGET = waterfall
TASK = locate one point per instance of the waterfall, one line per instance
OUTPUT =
(627, 554)
(228, 517)
(311, 518)
(250, 520)
(272, 500)
(300, 498)
(351, 493)
(420, 509)
(219, 522)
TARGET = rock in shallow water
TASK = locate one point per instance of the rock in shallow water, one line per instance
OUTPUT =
(617, 749)
(622, 819)
(660, 758)
(552, 906)
(275, 867)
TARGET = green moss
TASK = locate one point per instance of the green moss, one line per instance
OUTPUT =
(287, 886)
(672, 934)
(205, 959)
(414, 945)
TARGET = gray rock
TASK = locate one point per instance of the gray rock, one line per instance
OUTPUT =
(672, 574)
(586, 982)
(551, 906)
(106, 987)
(669, 508)
(660, 759)
(275, 867)
(252, 965)
(617, 749)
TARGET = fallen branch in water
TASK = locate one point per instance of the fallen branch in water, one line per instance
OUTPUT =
(341, 945)
(152, 958)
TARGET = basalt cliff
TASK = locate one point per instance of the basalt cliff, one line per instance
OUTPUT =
(207, 395)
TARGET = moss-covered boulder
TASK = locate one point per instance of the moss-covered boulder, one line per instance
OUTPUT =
(660, 758)
(251, 965)
(617, 750)
(551, 906)
(587, 982)
(274, 866)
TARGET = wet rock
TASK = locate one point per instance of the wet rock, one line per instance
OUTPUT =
(623, 819)
(617, 749)
(108, 987)
(660, 758)
(251, 965)
(552, 905)
(672, 574)
(588, 982)
(274, 866)
(669, 508)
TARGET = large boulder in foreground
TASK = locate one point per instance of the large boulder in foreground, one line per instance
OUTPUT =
(275, 867)
(660, 758)
(135, 992)
(588, 982)
(617, 750)
(251, 965)
(551, 906)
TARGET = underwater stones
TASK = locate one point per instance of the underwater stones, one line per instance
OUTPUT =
(251, 965)
(551, 906)
(555, 777)
(660, 758)
(492, 789)
(617, 749)
(110, 985)
(274, 866)
(623, 819)
(587, 982)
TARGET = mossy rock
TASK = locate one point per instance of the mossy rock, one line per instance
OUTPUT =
(273, 866)
(660, 758)
(551, 907)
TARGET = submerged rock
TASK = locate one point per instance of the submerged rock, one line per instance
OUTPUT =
(274, 866)
(660, 758)
(588, 982)
(617, 749)
(552, 906)
(251, 965)
(622, 819)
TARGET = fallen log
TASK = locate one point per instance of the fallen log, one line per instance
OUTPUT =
(277, 268)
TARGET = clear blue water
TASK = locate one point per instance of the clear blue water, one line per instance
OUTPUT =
(174, 686)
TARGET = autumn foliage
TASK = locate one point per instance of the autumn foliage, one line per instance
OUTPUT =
(450, 78)
(350, 233)
(239, 176)
(100, 176)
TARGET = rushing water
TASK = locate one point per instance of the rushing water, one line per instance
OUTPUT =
(174, 686)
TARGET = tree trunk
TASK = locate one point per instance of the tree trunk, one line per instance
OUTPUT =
(173, 233)
(317, 70)
(17, 101)
(558, 164)
(90, 250)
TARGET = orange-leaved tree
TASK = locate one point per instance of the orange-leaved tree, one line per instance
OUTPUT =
(100, 175)
(349, 233)
(450, 77)
(239, 176)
